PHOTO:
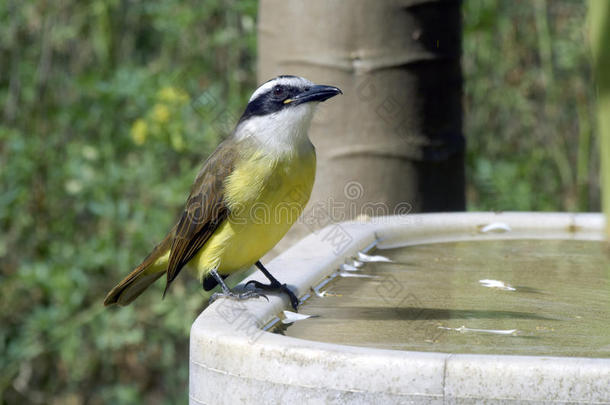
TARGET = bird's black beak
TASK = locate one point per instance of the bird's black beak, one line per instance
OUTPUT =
(315, 93)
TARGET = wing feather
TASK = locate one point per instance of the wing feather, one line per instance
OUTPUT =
(205, 209)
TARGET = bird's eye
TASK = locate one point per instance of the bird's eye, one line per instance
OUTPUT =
(307, 88)
(278, 91)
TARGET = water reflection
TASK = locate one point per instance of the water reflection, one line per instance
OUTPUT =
(430, 295)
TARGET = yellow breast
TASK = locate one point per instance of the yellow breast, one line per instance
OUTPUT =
(266, 195)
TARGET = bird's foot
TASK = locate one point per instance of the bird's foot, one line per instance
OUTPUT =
(237, 296)
(283, 288)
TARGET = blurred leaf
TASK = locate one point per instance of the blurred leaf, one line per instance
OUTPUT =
(96, 158)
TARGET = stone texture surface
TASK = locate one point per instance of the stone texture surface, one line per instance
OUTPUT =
(233, 361)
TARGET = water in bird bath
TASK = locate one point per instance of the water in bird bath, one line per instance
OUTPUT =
(527, 297)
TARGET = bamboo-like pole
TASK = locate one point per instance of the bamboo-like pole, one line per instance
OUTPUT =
(393, 143)
(599, 25)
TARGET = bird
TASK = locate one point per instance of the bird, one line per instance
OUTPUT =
(246, 196)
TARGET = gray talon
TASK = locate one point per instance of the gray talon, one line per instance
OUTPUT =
(238, 297)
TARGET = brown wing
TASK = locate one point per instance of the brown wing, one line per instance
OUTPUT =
(205, 209)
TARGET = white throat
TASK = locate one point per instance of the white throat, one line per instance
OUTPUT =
(285, 131)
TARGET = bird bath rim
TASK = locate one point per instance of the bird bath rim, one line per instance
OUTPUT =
(231, 347)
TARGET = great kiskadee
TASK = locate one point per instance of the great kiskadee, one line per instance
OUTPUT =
(247, 195)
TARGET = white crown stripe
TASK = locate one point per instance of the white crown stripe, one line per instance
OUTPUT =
(286, 81)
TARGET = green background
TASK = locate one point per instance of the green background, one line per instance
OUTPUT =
(98, 102)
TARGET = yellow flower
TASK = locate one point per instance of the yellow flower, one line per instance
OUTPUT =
(177, 141)
(172, 95)
(160, 113)
(73, 186)
(139, 130)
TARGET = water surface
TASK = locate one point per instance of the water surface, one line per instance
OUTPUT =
(431, 298)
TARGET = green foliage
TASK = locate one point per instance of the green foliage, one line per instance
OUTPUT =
(599, 20)
(107, 110)
(528, 106)
(99, 99)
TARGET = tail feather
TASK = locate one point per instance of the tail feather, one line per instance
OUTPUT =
(142, 276)
(130, 288)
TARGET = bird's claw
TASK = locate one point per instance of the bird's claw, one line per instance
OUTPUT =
(294, 301)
